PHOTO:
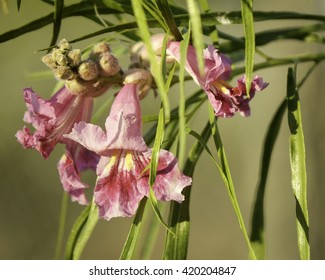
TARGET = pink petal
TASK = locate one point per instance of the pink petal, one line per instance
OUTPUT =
(124, 123)
(218, 66)
(52, 118)
(170, 181)
(75, 160)
(90, 136)
(116, 192)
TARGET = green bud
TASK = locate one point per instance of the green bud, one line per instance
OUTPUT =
(75, 57)
(64, 46)
(88, 70)
(100, 48)
(108, 64)
(64, 73)
(48, 60)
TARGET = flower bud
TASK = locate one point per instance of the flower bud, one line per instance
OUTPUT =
(64, 73)
(75, 57)
(80, 87)
(64, 45)
(62, 60)
(88, 70)
(100, 48)
(141, 77)
(108, 64)
(48, 60)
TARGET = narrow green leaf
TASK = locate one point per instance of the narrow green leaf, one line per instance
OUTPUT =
(57, 18)
(154, 66)
(214, 33)
(298, 165)
(86, 232)
(168, 16)
(176, 247)
(257, 232)
(123, 6)
(75, 232)
(84, 8)
(18, 5)
(198, 42)
(62, 221)
(248, 22)
(314, 57)
(228, 179)
(154, 165)
(150, 236)
(305, 33)
(181, 107)
(131, 240)
(155, 13)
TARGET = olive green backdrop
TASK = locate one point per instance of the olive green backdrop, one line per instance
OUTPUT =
(30, 191)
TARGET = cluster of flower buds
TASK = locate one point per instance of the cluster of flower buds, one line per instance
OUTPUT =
(91, 76)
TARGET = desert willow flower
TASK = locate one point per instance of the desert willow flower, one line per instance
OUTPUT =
(122, 175)
(52, 118)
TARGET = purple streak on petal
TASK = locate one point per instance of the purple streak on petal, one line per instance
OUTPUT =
(116, 192)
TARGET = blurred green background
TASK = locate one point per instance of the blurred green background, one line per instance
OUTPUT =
(30, 191)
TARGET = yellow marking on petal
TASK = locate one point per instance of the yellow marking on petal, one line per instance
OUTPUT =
(129, 163)
(223, 86)
(109, 165)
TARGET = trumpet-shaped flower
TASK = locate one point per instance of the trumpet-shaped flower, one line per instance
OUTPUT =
(122, 180)
(225, 99)
(51, 119)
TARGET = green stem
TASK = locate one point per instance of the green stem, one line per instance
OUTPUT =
(62, 221)
(229, 181)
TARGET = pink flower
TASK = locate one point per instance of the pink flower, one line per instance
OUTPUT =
(121, 182)
(225, 99)
(51, 119)
(75, 160)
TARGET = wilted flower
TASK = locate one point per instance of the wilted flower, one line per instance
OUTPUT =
(122, 180)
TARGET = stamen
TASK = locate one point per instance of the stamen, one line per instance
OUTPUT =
(223, 86)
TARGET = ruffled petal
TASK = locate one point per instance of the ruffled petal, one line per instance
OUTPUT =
(240, 97)
(52, 118)
(90, 136)
(75, 160)
(116, 192)
(170, 181)
(218, 66)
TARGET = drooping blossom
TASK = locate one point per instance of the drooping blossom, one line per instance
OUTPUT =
(122, 180)
(225, 99)
(52, 118)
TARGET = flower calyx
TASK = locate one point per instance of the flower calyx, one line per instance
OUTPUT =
(140, 77)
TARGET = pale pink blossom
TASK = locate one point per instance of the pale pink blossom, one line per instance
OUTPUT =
(122, 181)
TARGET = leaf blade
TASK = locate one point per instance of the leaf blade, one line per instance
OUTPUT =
(298, 165)
(248, 22)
